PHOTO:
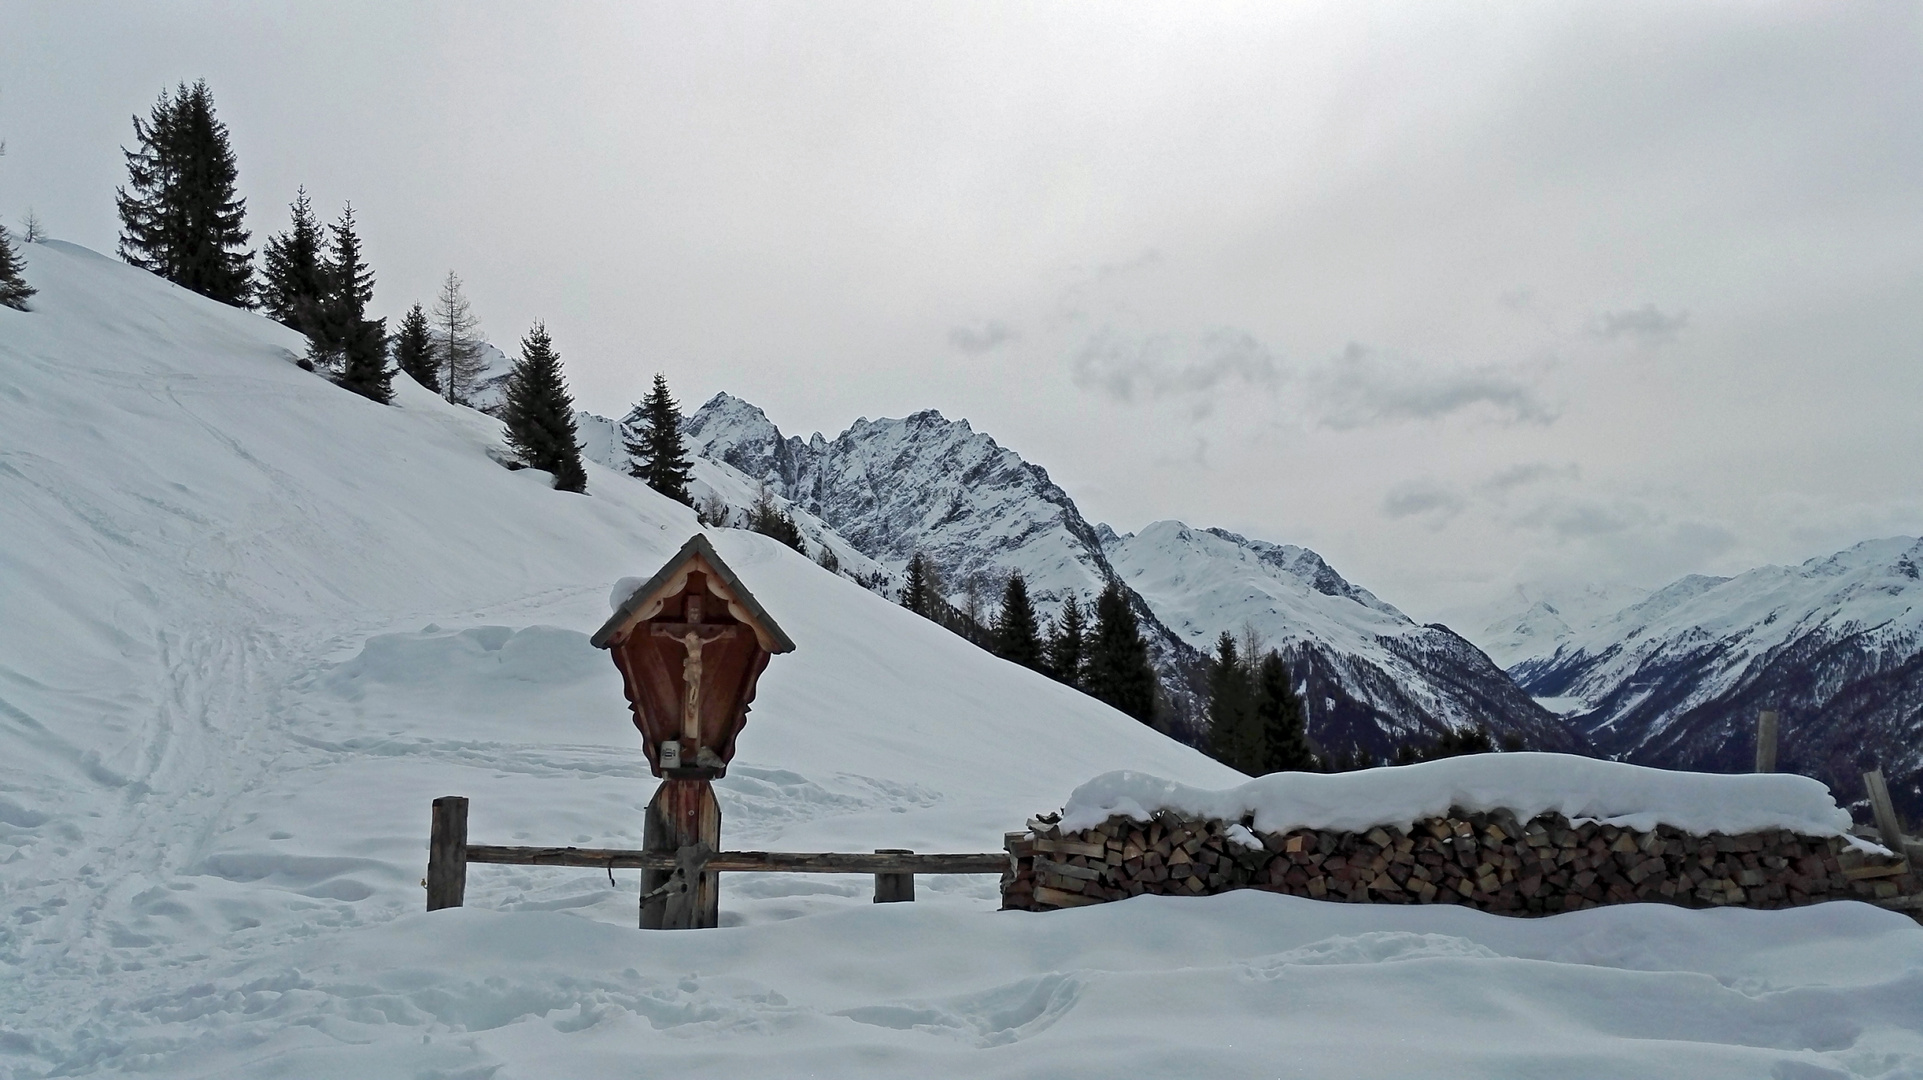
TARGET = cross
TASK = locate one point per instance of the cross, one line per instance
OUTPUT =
(693, 634)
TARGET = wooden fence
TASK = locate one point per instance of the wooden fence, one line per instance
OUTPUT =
(449, 854)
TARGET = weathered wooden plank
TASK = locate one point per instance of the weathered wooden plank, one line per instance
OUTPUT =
(1060, 899)
(785, 862)
(1863, 873)
(447, 853)
(1885, 811)
(1766, 724)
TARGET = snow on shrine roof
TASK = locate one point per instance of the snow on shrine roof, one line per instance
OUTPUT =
(696, 547)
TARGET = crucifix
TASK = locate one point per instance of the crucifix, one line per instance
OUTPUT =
(692, 633)
(695, 616)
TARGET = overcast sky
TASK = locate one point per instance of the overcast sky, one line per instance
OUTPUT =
(1458, 295)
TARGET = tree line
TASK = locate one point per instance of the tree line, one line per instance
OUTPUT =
(180, 218)
(1108, 661)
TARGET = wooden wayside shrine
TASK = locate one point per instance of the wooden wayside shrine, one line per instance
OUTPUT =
(690, 644)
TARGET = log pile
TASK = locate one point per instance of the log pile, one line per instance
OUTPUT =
(1489, 861)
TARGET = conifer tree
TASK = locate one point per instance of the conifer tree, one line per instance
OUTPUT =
(1017, 637)
(293, 270)
(1117, 670)
(539, 413)
(344, 338)
(179, 217)
(1232, 707)
(922, 589)
(458, 347)
(1066, 644)
(1279, 714)
(14, 289)
(659, 456)
(414, 349)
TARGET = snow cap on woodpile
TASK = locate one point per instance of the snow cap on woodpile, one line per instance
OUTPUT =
(1526, 784)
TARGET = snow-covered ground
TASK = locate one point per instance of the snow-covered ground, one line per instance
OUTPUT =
(253, 624)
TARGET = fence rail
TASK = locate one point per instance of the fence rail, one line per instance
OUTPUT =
(894, 869)
(789, 862)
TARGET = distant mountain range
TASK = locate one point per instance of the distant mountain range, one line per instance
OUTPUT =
(1371, 678)
(1672, 677)
(1834, 644)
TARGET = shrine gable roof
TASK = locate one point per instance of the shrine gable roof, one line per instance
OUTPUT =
(667, 581)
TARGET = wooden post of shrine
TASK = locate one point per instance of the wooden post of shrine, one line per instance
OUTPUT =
(690, 644)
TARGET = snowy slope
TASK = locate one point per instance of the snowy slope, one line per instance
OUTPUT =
(1370, 676)
(1835, 644)
(255, 623)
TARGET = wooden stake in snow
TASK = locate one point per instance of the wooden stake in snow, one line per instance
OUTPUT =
(1766, 740)
(447, 853)
(1885, 811)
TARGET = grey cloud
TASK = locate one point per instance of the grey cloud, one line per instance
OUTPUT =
(1534, 472)
(1161, 365)
(1420, 497)
(1647, 326)
(1360, 389)
(981, 337)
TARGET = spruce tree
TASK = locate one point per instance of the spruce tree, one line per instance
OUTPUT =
(539, 413)
(414, 349)
(1017, 638)
(659, 456)
(293, 270)
(1066, 644)
(181, 219)
(458, 347)
(1117, 670)
(1278, 711)
(921, 590)
(1231, 707)
(14, 289)
(344, 338)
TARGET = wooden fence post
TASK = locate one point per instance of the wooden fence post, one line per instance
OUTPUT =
(1766, 722)
(1885, 811)
(894, 888)
(447, 853)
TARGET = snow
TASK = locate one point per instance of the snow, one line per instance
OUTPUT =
(1528, 784)
(255, 623)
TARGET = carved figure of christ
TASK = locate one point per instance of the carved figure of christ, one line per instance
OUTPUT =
(692, 633)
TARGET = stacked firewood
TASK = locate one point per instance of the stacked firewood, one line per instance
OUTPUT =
(1489, 861)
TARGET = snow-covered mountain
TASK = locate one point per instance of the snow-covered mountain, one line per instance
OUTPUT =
(974, 509)
(1373, 677)
(1370, 676)
(604, 442)
(1835, 644)
(1532, 620)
